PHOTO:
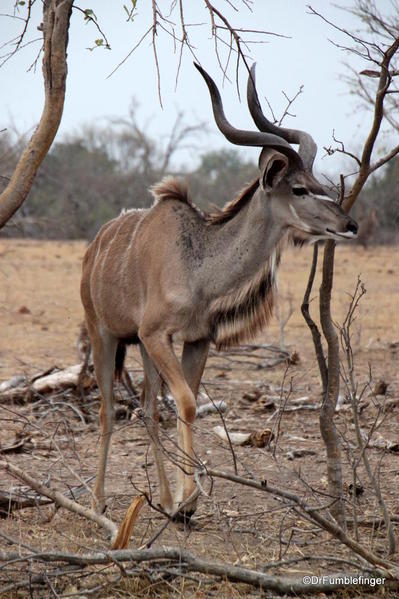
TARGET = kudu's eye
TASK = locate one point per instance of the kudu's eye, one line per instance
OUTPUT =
(300, 191)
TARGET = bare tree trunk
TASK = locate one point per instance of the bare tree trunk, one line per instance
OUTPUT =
(329, 373)
(56, 18)
(327, 426)
(321, 360)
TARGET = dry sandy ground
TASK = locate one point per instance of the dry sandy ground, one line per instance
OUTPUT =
(40, 313)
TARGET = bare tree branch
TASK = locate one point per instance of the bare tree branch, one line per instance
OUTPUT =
(59, 498)
(314, 513)
(345, 332)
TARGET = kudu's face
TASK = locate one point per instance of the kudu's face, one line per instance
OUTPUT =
(297, 201)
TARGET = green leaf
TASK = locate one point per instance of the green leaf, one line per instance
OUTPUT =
(89, 15)
(130, 13)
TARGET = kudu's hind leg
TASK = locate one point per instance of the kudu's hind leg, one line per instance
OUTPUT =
(151, 386)
(104, 350)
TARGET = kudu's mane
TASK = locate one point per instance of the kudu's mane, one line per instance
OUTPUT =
(171, 188)
(229, 210)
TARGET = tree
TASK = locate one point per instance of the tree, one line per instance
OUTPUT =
(56, 18)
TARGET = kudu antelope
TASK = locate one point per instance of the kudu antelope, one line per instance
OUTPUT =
(151, 277)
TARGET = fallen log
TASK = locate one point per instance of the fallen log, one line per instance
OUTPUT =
(18, 388)
(68, 377)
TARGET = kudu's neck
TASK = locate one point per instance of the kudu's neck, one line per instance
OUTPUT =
(237, 250)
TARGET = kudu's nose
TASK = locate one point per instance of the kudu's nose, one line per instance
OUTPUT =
(352, 226)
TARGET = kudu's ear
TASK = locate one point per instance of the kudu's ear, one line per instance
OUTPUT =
(273, 166)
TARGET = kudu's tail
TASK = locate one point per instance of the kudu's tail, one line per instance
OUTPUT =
(120, 359)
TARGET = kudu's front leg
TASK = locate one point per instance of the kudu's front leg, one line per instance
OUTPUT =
(193, 362)
(151, 386)
(160, 350)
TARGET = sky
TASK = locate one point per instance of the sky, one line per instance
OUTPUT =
(305, 57)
